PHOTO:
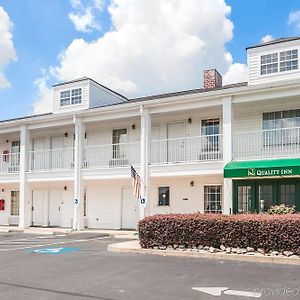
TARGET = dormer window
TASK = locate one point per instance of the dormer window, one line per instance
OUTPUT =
(288, 60)
(269, 63)
(76, 96)
(71, 97)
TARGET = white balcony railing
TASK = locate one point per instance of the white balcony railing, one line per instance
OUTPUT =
(267, 143)
(112, 155)
(10, 163)
(53, 159)
(188, 149)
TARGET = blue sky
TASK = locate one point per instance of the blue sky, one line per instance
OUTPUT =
(43, 29)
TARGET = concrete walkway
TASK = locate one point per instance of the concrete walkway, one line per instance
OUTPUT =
(118, 234)
(134, 247)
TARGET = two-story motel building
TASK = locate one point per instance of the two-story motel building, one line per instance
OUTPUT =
(228, 149)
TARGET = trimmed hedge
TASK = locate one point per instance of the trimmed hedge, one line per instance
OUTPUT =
(270, 232)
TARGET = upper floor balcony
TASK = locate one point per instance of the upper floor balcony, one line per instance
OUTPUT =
(9, 162)
(162, 152)
(187, 149)
(274, 143)
(51, 160)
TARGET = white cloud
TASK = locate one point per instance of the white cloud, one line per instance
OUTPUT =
(154, 46)
(236, 73)
(7, 50)
(267, 38)
(294, 19)
(84, 17)
(43, 102)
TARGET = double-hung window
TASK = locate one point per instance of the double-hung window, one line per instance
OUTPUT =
(281, 128)
(76, 96)
(65, 98)
(289, 60)
(213, 198)
(269, 63)
(71, 97)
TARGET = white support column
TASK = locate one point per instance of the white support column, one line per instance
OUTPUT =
(25, 199)
(145, 156)
(227, 152)
(78, 182)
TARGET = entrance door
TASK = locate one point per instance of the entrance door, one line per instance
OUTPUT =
(57, 153)
(38, 158)
(245, 198)
(260, 195)
(265, 196)
(37, 208)
(55, 208)
(176, 142)
(129, 210)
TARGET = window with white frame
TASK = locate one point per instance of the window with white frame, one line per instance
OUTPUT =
(76, 96)
(14, 203)
(71, 97)
(269, 63)
(64, 98)
(119, 139)
(211, 129)
(279, 62)
(213, 198)
(280, 127)
(289, 60)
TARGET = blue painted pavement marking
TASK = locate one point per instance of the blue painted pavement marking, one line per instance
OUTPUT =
(59, 250)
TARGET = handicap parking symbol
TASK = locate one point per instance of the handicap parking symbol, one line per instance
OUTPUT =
(59, 250)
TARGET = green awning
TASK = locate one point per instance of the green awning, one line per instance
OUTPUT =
(263, 168)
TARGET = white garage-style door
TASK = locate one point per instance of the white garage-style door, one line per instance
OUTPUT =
(38, 207)
(104, 209)
(129, 209)
(55, 208)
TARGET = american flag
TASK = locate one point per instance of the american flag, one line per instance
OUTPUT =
(136, 182)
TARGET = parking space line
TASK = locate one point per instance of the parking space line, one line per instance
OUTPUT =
(54, 243)
(24, 240)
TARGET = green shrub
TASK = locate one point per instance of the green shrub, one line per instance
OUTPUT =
(281, 210)
(271, 232)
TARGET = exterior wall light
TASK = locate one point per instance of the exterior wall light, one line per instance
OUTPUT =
(66, 134)
(133, 126)
(190, 120)
(192, 183)
(65, 188)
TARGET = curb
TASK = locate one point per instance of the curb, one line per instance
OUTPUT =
(134, 247)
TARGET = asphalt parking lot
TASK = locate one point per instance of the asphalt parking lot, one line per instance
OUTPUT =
(79, 267)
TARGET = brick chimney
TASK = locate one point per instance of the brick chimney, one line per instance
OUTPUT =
(212, 79)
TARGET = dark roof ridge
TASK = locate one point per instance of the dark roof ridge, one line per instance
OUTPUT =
(275, 41)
